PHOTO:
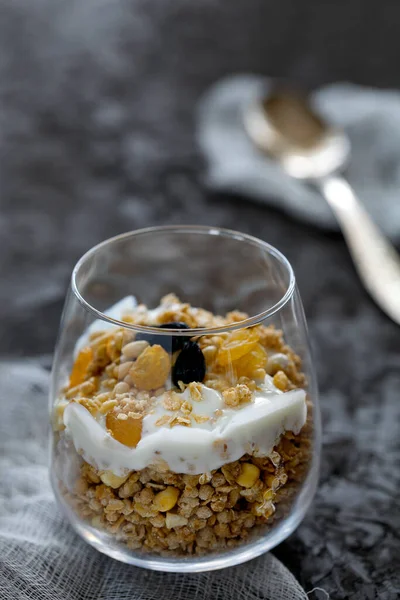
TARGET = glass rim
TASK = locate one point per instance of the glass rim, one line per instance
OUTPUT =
(194, 229)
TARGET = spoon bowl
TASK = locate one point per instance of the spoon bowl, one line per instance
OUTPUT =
(284, 126)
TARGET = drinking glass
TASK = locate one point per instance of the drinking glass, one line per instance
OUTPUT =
(185, 436)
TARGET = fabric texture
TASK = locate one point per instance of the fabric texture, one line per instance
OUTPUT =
(371, 119)
(41, 558)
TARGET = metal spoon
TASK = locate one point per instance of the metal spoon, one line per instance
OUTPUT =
(285, 126)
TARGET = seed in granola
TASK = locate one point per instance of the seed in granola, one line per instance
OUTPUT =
(166, 500)
(151, 369)
(190, 364)
(80, 369)
(122, 370)
(128, 431)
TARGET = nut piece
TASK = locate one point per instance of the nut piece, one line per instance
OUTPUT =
(151, 369)
(209, 353)
(172, 520)
(277, 362)
(281, 381)
(112, 480)
(248, 476)
(121, 388)
(166, 499)
(134, 349)
(122, 370)
(127, 431)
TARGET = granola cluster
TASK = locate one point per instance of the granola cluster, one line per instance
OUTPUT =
(120, 377)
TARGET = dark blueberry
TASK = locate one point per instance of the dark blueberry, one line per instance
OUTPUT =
(168, 342)
(190, 364)
(177, 342)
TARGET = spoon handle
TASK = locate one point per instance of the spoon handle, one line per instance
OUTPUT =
(375, 258)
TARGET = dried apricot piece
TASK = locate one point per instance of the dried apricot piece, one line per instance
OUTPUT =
(237, 345)
(247, 365)
(127, 431)
(150, 371)
(80, 370)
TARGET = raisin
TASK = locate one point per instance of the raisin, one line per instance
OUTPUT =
(169, 343)
(190, 364)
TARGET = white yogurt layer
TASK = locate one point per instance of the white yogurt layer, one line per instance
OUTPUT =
(254, 428)
(223, 437)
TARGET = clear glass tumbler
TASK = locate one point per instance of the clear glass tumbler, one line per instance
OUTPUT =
(184, 408)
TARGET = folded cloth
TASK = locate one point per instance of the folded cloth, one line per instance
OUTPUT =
(370, 117)
(41, 558)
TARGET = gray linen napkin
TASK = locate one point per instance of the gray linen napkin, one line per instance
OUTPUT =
(41, 558)
(370, 117)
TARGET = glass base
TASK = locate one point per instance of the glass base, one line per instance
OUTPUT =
(104, 543)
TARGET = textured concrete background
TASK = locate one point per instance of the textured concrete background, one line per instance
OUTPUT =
(97, 137)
